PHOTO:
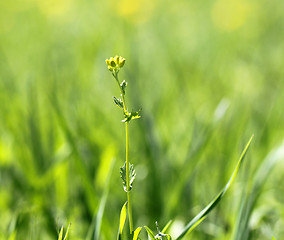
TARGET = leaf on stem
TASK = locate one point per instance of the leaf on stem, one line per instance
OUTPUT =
(128, 116)
(132, 175)
(202, 215)
(118, 102)
(123, 86)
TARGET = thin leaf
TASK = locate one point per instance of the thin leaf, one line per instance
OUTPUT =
(118, 102)
(136, 233)
(60, 234)
(95, 227)
(67, 231)
(250, 200)
(201, 216)
(122, 217)
(195, 225)
(167, 226)
(150, 233)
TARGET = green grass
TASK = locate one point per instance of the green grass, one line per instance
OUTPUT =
(205, 80)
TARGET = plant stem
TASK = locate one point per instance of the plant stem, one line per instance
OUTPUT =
(128, 181)
(129, 204)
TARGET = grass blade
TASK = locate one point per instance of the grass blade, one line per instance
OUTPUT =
(67, 231)
(95, 227)
(249, 202)
(150, 233)
(136, 233)
(122, 220)
(60, 237)
(167, 226)
(202, 215)
(60, 234)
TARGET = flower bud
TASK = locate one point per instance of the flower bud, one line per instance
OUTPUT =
(121, 62)
(112, 62)
(116, 60)
(115, 63)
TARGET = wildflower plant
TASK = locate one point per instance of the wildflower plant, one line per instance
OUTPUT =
(127, 172)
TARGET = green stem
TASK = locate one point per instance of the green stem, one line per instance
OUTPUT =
(121, 92)
(129, 203)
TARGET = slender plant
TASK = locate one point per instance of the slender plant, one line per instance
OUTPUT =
(127, 171)
(128, 174)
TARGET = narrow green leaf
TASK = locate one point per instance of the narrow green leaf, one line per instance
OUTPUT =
(95, 226)
(249, 200)
(195, 225)
(122, 217)
(67, 231)
(136, 233)
(118, 102)
(201, 216)
(60, 234)
(150, 233)
(167, 226)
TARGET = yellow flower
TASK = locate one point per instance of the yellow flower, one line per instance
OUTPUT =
(121, 62)
(115, 63)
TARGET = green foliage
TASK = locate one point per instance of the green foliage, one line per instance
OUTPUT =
(118, 102)
(206, 75)
(250, 199)
(160, 235)
(128, 116)
(122, 220)
(60, 237)
(202, 215)
(132, 175)
(165, 229)
(123, 86)
(136, 233)
(150, 233)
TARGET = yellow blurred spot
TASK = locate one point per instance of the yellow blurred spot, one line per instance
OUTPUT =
(230, 14)
(54, 8)
(136, 11)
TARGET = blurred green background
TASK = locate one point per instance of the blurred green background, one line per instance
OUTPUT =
(207, 74)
